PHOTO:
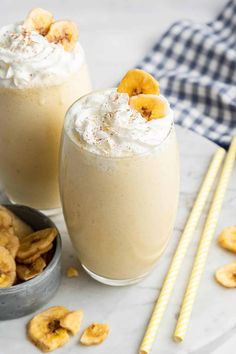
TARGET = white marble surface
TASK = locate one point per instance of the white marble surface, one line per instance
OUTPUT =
(116, 35)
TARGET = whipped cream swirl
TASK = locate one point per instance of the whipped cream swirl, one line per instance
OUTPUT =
(105, 124)
(27, 59)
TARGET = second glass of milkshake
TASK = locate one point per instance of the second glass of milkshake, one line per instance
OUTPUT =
(119, 179)
(42, 72)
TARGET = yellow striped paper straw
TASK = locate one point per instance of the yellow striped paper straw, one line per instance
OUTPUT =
(180, 252)
(204, 245)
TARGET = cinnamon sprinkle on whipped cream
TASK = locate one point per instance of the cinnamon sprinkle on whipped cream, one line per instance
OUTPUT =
(28, 59)
(105, 124)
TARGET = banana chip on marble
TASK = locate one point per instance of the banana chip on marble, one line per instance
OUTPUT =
(227, 239)
(72, 321)
(50, 329)
(96, 333)
(45, 331)
(226, 275)
(72, 272)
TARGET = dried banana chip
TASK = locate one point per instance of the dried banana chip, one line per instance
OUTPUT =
(65, 33)
(33, 258)
(226, 275)
(11, 231)
(72, 272)
(149, 106)
(38, 20)
(19, 227)
(27, 272)
(227, 239)
(35, 243)
(5, 219)
(137, 82)
(72, 321)
(45, 330)
(10, 242)
(7, 268)
(96, 333)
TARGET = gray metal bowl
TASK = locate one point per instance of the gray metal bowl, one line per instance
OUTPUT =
(22, 299)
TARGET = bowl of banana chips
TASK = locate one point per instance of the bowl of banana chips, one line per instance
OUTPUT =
(30, 260)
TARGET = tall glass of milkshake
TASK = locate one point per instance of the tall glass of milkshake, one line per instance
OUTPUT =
(42, 72)
(119, 179)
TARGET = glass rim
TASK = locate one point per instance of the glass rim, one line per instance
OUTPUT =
(94, 154)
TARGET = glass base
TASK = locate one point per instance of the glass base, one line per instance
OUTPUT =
(51, 212)
(47, 212)
(114, 282)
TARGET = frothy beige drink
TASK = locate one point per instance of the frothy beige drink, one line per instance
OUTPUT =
(39, 79)
(119, 185)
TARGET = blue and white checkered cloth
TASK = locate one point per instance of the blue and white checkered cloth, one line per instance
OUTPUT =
(195, 64)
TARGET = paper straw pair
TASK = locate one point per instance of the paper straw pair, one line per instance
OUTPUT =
(182, 248)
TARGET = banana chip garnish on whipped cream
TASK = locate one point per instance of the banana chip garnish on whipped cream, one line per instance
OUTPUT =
(39, 51)
(132, 119)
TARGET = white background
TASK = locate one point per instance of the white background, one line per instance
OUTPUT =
(116, 34)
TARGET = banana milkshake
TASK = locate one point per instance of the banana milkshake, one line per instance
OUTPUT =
(119, 178)
(42, 72)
